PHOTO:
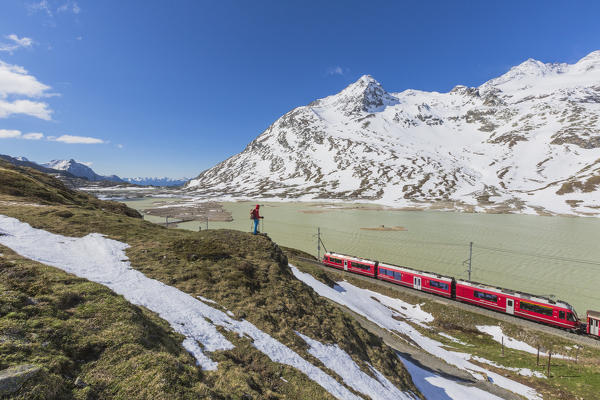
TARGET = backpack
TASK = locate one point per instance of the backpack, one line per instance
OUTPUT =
(253, 213)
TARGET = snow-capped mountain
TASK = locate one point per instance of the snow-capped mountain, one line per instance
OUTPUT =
(527, 141)
(155, 181)
(80, 170)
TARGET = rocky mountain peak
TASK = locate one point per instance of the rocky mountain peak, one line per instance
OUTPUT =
(465, 91)
(364, 95)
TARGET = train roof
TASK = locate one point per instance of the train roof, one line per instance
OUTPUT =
(515, 293)
(353, 258)
(424, 273)
(593, 314)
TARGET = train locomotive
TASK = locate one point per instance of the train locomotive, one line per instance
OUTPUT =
(555, 313)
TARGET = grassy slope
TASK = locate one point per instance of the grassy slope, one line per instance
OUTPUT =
(569, 380)
(123, 351)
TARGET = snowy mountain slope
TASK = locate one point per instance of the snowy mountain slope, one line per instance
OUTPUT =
(527, 141)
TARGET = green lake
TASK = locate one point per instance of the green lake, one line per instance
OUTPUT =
(558, 256)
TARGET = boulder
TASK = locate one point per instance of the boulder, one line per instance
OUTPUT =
(11, 379)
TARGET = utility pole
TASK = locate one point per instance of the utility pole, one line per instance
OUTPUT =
(206, 221)
(318, 243)
(470, 257)
(549, 358)
(167, 221)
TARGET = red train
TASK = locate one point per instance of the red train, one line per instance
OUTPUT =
(537, 308)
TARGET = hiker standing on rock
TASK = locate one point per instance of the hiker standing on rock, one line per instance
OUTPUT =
(255, 215)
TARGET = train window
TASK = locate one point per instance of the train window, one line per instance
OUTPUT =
(335, 260)
(536, 308)
(485, 296)
(561, 314)
(391, 274)
(570, 317)
(440, 285)
(361, 266)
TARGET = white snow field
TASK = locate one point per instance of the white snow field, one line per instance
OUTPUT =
(362, 302)
(102, 260)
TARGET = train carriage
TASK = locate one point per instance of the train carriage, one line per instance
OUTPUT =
(419, 280)
(349, 263)
(536, 308)
(593, 323)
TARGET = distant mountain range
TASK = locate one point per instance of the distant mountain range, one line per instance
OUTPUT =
(155, 181)
(68, 169)
(527, 141)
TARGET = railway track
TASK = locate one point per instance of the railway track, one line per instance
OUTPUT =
(580, 339)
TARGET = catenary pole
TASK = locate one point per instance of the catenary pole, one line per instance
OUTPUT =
(470, 257)
(318, 243)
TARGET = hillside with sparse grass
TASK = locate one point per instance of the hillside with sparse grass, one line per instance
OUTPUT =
(87, 342)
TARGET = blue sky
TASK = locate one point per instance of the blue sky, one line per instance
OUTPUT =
(171, 88)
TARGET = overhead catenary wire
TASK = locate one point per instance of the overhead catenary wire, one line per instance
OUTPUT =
(544, 256)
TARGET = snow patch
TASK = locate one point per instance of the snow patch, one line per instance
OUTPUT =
(453, 339)
(436, 387)
(339, 361)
